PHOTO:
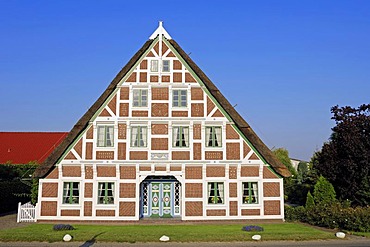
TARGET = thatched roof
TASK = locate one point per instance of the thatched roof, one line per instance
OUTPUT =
(83, 123)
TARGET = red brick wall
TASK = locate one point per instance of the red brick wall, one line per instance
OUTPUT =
(214, 155)
(127, 190)
(231, 133)
(215, 171)
(54, 174)
(88, 209)
(179, 113)
(128, 172)
(193, 208)
(193, 172)
(49, 190)
(138, 155)
(233, 208)
(160, 168)
(139, 113)
(159, 129)
(233, 189)
(88, 190)
(175, 168)
(71, 171)
(197, 151)
(216, 212)
(196, 94)
(105, 213)
(268, 174)
(121, 151)
(143, 77)
(127, 209)
(159, 143)
(232, 151)
(246, 149)
(123, 110)
(180, 155)
(48, 208)
(233, 172)
(197, 110)
(197, 132)
(122, 131)
(124, 93)
(104, 155)
(249, 171)
(271, 207)
(271, 189)
(89, 133)
(70, 212)
(246, 212)
(89, 150)
(159, 110)
(89, 172)
(106, 171)
(78, 147)
(193, 190)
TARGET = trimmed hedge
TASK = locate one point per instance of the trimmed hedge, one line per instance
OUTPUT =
(335, 215)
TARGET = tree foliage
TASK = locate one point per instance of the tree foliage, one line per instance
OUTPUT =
(345, 159)
(324, 193)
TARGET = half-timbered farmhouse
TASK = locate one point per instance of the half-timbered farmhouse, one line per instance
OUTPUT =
(161, 141)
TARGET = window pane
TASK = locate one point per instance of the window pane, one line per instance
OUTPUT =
(166, 66)
(101, 135)
(154, 66)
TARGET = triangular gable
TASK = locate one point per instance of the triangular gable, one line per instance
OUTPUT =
(217, 105)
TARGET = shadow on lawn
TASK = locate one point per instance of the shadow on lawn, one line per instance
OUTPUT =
(92, 241)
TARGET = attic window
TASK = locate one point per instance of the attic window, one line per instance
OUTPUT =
(166, 66)
(105, 136)
(154, 66)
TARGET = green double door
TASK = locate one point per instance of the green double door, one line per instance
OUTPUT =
(161, 199)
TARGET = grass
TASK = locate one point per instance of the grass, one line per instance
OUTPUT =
(362, 234)
(152, 233)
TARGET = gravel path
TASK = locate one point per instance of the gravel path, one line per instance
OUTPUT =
(10, 221)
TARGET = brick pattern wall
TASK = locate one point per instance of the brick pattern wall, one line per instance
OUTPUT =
(268, 174)
(88, 190)
(210, 105)
(49, 190)
(197, 151)
(70, 156)
(216, 212)
(233, 208)
(144, 64)
(132, 77)
(122, 128)
(159, 129)
(254, 157)
(145, 168)
(189, 78)
(193, 208)
(128, 172)
(159, 143)
(196, 93)
(246, 149)
(89, 172)
(159, 93)
(159, 110)
(179, 113)
(106, 171)
(180, 155)
(249, 171)
(232, 151)
(271, 207)
(105, 213)
(54, 174)
(231, 133)
(88, 209)
(89, 151)
(217, 114)
(124, 93)
(214, 155)
(271, 189)
(138, 155)
(143, 77)
(104, 155)
(193, 172)
(78, 147)
(233, 172)
(89, 133)
(177, 77)
(48, 208)
(197, 135)
(139, 113)
(71, 171)
(127, 190)
(233, 190)
(127, 209)
(215, 171)
(113, 104)
(197, 110)
(121, 151)
(247, 212)
(123, 110)
(175, 168)
(160, 168)
(70, 212)
(177, 65)
(193, 190)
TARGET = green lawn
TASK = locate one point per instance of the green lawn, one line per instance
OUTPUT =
(152, 233)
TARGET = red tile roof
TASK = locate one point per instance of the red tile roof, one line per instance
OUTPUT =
(23, 147)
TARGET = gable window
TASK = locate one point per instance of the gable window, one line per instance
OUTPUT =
(71, 192)
(166, 66)
(138, 136)
(179, 98)
(105, 136)
(140, 97)
(250, 192)
(180, 136)
(215, 193)
(213, 137)
(154, 66)
(106, 193)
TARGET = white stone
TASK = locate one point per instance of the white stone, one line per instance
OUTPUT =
(164, 238)
(340, 235)
(256, 237)
(67, 238)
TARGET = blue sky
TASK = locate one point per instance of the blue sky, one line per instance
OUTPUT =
(284, 63)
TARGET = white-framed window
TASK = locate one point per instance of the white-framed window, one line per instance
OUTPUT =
(166, 66)
(215, 193)
(213, 136)
(106, 193)
(179, 98)
(140, 97)
(180, 136)
(154, 65)
(250, 192)
(105, 136)
(139, 136)
(71, 192)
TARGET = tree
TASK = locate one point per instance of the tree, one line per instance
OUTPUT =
(324, 193)
(345, 159)
(283, 155)
(310, 202)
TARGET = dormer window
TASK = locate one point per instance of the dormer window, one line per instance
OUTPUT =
(166, 66)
